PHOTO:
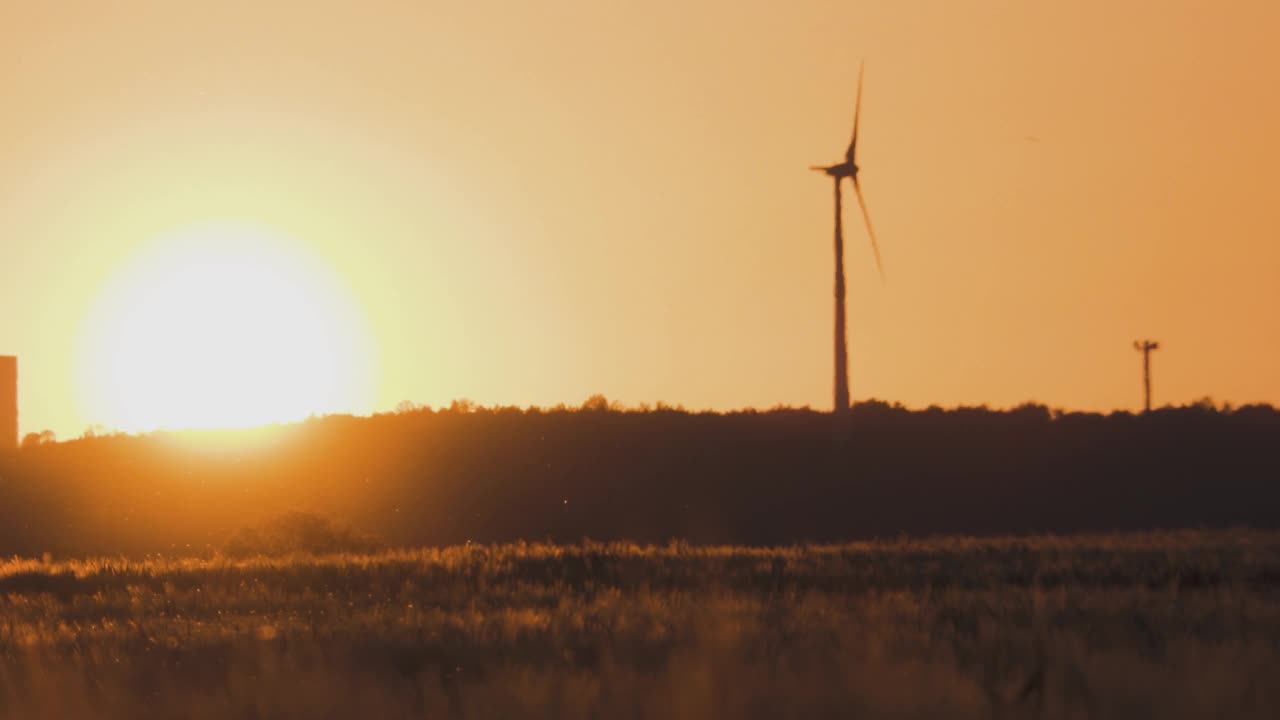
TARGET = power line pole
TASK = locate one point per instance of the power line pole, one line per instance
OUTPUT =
(1145, 347)
(8, 402)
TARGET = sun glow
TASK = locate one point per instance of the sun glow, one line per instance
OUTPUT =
(224, 325)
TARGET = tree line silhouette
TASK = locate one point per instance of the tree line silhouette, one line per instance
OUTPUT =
(467, 473)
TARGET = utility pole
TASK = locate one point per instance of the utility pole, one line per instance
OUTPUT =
(8, 402)
(1145, 347)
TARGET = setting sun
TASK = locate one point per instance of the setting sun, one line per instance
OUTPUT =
(222, 325)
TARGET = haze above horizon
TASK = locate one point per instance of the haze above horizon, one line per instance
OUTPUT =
(527, 204)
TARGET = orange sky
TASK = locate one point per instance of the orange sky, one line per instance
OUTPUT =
(533, 202)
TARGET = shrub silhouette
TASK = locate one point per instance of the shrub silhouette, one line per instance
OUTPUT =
(299, 532)
(35, 439)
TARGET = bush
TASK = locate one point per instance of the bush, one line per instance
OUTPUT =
(299, 532)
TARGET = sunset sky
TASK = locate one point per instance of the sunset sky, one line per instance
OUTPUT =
(530, 202)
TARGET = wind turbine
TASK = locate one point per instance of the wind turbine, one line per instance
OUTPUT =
(838, 172)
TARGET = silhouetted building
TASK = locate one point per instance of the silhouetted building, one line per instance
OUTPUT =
(8, 402)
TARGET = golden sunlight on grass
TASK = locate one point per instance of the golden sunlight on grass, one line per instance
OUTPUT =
(1170, 625)
(223, 325)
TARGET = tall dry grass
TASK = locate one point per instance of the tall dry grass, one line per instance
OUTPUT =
(1176, 625)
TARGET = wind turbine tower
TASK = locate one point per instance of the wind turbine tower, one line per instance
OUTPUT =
(838, 172)
(1145, 347)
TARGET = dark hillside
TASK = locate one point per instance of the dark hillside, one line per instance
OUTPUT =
(441, 477)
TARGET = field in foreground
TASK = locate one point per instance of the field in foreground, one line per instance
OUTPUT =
(1130, 626)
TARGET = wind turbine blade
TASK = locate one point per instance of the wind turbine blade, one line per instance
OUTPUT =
(852, 152)
(875, 246)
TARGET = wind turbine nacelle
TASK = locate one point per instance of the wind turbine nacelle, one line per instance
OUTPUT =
(841, 170)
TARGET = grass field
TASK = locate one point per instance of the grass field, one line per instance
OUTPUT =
(1170, 625)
